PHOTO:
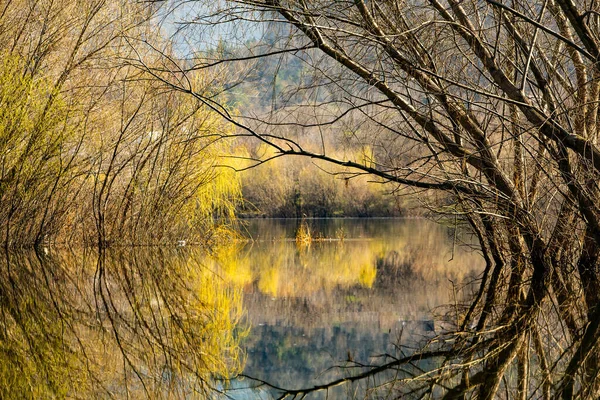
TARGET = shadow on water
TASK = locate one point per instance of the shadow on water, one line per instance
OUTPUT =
(143, 324)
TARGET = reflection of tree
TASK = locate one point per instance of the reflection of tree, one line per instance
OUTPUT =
(326, 317)
(296, 357)
(282, 269)
(147, 324)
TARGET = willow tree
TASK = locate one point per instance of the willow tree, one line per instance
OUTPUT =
(92, 151)
(492, 103)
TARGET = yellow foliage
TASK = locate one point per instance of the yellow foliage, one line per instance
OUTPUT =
(150, 324)
(367, 275)
(366, 156)
(303, 235)
(268, 281)
(93, 150)
(233, 263)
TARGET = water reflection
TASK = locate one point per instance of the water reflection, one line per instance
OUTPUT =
(340, 302)
(171, 323)
(143, 324)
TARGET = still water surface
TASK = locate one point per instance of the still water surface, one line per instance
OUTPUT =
(370, 287)
(164, 322)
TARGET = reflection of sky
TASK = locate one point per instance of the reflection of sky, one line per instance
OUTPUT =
(320, 315)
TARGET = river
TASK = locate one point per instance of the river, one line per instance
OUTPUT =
(364, 288)
(169, 322)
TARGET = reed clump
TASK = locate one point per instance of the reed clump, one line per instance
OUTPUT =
(303, 234)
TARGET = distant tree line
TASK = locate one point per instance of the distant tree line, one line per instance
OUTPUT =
(297, 188)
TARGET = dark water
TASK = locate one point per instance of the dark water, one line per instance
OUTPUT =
(169, 322)
(365, 289)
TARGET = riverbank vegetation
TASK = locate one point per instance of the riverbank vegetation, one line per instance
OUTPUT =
(92, 150)
(485, 112)
(299, 187)
(96, 150)
(96, 154)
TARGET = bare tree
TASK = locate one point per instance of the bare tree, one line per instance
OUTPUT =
(91, 150)
(495, 104)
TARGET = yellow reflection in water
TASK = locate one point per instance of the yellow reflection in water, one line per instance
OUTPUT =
(165, 323)
(281, 268)
(367, 275)
(151, 324)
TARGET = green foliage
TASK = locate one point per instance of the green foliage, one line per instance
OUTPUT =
(33, 137)
(91, 149)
